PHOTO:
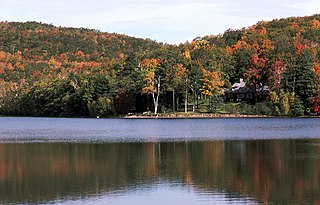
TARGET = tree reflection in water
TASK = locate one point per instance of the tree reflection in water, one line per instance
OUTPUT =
(268, 171)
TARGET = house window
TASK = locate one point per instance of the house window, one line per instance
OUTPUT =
(240, 96)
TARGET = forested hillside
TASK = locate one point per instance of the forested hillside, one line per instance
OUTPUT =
(55, 71)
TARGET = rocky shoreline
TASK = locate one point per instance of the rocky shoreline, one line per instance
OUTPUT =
(193, 116)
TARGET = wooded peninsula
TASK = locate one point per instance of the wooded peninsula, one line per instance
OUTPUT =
(271, 68)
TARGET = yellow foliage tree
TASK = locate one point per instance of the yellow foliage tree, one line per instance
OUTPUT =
(211, 82)
(152, 84)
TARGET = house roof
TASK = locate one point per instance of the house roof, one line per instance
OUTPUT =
(242, 88)
(238, 86)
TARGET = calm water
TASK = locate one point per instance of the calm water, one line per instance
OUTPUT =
(174, 161)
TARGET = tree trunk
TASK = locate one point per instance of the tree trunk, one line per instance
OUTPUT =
(294, 83)
(186, 102)
(173, 102)
(156, 99)
(155, 103)
(148, 104)
(197, 98)
(186, 99)
(210, 104)
(193, 101)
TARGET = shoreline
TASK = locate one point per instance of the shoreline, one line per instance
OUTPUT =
(177, 116)
(193, 116)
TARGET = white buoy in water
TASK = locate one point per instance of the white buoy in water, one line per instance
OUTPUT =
(98, 117)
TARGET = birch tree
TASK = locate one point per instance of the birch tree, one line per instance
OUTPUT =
(152, 80)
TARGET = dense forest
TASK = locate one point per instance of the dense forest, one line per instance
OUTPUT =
(56, 71)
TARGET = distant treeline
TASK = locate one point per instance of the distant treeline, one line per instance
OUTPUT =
(55, 71)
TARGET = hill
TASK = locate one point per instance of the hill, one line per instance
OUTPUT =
(32, 53)
(56, 71)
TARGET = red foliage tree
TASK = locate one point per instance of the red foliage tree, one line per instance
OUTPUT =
(277, 70)
(256, 70)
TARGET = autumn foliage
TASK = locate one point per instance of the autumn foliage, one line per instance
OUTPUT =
(84, 72)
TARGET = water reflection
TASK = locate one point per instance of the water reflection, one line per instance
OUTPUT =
(261, 171)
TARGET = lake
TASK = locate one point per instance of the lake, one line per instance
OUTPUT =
(159, 161)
